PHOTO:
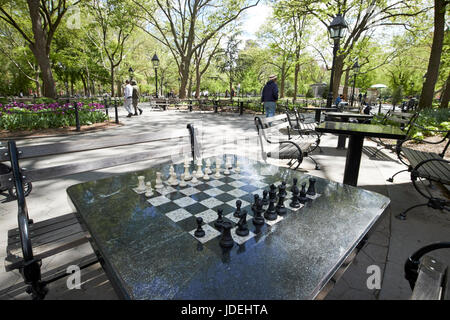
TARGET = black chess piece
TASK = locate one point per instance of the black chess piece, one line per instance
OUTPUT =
(227, 240)
(255, 197)
(282, 189)
(281, 209)
(271, 213)
(295, 203)
(312, 187)
(294, 184)
(199, 232)
(258, 219)
(218, 223)
(302, 198)
(242, 229)
(265, 200)
(237, 213)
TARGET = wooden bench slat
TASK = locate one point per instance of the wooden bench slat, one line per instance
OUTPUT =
(41, 242)
(68, 169)
(35, 227)
(44, 230)
(433, 170)
(100, 143)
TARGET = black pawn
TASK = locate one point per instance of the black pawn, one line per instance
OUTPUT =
(265, 200)
(199, 232)
(255, 197)
(312, 187)
(218, 223)
(302, 198)
(281, 209)
(258, 219)
(227, 240)
(270, 213)
(294, 184)
(295, 192)
(237, 213)
(242, 229)
(282, 189)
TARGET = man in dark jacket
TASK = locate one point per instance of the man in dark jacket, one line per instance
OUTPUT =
(270, 96)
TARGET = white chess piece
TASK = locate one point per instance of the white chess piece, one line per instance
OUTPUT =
(206, 176)
(199, 169)
(187, 175)
(158, 182)
(194, 177)
(173, 179)
(182, 181)
(237, 169)
(148, 189)
(208, 166)
(141, 183)
(227, 166)
(217, 175)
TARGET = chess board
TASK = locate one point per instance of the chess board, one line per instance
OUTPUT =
(182, 205)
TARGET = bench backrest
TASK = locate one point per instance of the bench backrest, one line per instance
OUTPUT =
(403, 119)
(267, 127)
(43, 150)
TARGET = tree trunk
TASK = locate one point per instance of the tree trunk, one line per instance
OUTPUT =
(197, 80)
(426, 97)
(83, 81)
(345, 90)
(445, 96)
(190, 86)
(339, 65)
(112, 79)
(184, 73)
(283, 79)
(38, 84)
(297, 70)
(41, 50)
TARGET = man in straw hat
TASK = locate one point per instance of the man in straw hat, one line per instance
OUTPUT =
(270, 96)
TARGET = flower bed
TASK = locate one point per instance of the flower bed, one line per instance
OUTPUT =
(20, 116)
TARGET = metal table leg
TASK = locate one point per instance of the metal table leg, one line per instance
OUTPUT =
(318, 112)
(353, 160)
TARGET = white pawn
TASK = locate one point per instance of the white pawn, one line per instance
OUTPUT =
(158, 182)
(194, 177)
(237, 169)
(217, 175)
(206, 176)
(148, 189)
(173, 179)
(141, 183)
(208, 166)
(182, 181)
(199, 169)
(187, 175)
(227, 166)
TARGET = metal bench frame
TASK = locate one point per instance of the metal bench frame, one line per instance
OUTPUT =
(260, 128)
(29, 264)
(416, 175)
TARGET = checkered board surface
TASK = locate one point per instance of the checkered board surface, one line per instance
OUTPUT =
(183, 205)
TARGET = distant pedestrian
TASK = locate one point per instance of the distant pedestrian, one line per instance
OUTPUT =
(232, 92)
(360, 97)
(136, 96)
(226, 93)
(269, 96)
(338, 100)
(128, 96)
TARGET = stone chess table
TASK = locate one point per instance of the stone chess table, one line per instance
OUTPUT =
(148, 248)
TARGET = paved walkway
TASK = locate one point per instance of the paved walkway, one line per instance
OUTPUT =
(389, 246)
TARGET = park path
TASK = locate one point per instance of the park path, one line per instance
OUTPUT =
(388, 247)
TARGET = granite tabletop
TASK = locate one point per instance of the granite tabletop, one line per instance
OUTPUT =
(367, 130)
(348, 114)
(150, 252)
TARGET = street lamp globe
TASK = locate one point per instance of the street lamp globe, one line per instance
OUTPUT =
(155, 61)
(337, 27)
(356, 66)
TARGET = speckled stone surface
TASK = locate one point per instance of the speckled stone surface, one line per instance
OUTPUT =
(150, 251)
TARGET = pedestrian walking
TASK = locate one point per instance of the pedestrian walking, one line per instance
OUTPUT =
(269, 96)
(135, 97)
(128, 96)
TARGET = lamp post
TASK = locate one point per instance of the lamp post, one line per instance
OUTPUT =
(131, 72)
(355, 71)
(155, 62)
(336, 29)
